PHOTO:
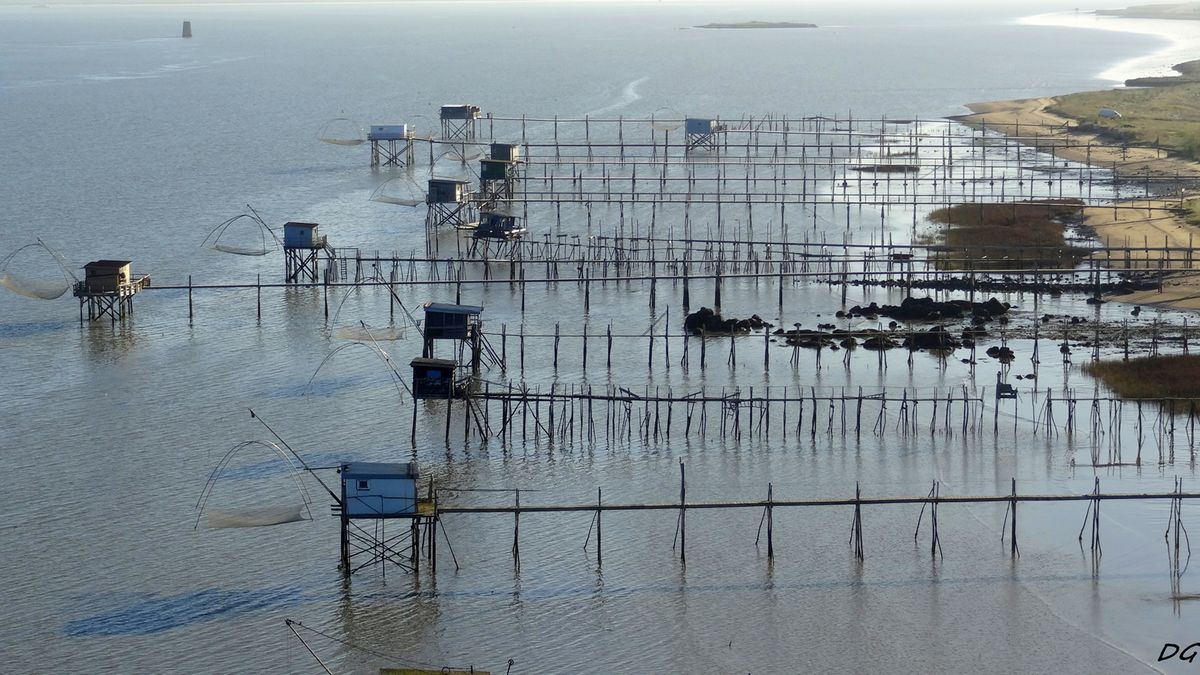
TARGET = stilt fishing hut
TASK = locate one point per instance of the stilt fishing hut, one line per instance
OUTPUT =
(450, 204)
(391, 144)
(499, 173)
(107, 289)
(302, 246)
(433, 378)
(458, 121)
(459, 323)
(377, 492)
(701, 133)
(499, 224)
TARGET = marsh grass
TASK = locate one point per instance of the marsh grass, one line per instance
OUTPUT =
(1152, 377)
(1018, 235)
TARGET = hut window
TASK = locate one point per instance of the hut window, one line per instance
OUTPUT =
(364, 485)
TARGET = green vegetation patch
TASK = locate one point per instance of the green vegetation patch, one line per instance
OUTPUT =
(1018, 235)
(1193, 211)
(1162, 116)
(1152, 377)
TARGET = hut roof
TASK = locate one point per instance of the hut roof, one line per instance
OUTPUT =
(380, 470)
(441, 363)
(445, 308)
(106, 264)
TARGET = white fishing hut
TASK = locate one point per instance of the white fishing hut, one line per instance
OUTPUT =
(391, 144)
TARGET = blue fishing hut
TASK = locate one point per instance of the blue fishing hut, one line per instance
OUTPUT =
(302, 235)
(302, 245)
(701, 133)
(378, 492)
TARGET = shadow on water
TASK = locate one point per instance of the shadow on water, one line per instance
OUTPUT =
(155, 613)
(33, 328)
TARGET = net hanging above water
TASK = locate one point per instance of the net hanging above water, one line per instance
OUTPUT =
(244, 234)
(665, 119)
(36, 288)
(341, 131)
(257, 515)
(401, 191)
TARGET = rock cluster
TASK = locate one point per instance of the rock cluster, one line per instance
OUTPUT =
(928, 309)
(705, 321)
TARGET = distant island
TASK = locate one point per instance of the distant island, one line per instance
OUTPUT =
(1184, 10)
(758, 24)
(1187, 73)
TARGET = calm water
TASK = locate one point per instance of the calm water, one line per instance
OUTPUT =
(123, 141)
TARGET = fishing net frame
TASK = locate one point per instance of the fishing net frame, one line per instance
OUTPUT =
(215, 475)
(11, 283)
(665, 119)
(322, 134)
(213, 239)
(378, 196)
(374, 348)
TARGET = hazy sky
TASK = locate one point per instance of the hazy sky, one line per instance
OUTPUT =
(797, 5)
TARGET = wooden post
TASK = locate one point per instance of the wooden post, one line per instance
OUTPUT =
(682, 513)
(599, 500)
(770, 524)
(1013, 543)
(608, 363)
(449, 409)
(516, 547)
(413, 434)
(189, 298)
(345, 540)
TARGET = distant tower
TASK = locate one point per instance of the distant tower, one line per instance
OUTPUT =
(391, 145)
(187, 29)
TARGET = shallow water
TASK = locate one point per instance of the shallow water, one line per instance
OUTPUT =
(124, 142)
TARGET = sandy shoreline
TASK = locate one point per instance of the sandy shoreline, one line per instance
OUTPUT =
(1156, 222)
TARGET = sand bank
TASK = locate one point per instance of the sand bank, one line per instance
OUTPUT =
(1154, 223)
